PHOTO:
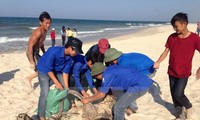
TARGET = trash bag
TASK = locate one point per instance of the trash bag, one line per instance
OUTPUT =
(54, 99)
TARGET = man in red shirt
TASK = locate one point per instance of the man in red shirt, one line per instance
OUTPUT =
(53, 37)
(181, 45)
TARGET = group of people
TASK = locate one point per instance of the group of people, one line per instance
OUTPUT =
(127, 75)
(70, 33)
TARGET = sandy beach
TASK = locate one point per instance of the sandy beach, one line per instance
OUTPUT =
(16, 98)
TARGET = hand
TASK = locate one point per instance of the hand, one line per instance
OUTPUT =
(156, 65)
(85, 101)
(59, 86)
(198, 74)
(85, 95)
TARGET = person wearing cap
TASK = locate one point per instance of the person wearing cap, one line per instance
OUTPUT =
(137, 61)
(96, 52)
(134, 83)
(55, 65)
(81, 76)
(53, 37)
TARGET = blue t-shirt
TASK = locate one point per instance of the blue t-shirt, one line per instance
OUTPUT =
(137, 61)
(54, 60)
(80, 67)
(122, 78)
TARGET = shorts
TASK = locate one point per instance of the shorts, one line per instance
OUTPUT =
(36, 57)
(198, 30)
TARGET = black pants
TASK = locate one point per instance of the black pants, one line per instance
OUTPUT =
(177, 87)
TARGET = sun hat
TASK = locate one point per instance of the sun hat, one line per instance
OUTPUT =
(76, 44)
(97, 68)
(103, 45)
(111, 54)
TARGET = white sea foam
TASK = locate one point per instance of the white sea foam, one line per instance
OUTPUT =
(33, 28)
(88, 32)
(6, 39)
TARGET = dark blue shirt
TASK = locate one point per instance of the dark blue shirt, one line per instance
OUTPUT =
(122, 78)
(80, 67)
(137, 61)
(54, 60)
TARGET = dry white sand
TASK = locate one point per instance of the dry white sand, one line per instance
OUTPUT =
(15, 97)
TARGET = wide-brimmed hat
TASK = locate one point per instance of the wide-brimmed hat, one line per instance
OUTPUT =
(103, 45)
(97, 68)
(112, 54)
(76, 44)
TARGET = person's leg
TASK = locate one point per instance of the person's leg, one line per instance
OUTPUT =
(44, 81)
(180, 93)
(181, 98)
(124, 102)
(173, 83)
(29, 79)
(63, 41)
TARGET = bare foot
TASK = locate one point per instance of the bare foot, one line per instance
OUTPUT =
(189, 113)
(129, 111)
(28, 82)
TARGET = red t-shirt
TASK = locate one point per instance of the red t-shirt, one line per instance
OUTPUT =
(53, 35)
(181, 54)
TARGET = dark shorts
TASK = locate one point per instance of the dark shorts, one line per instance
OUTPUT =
(36, 57)
(198, 30)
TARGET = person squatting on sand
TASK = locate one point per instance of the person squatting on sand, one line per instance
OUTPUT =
(55, 65)
(137, 61)
(134, 83)
(80, 76)
(181, 45)
(96, 52)
(35, 43)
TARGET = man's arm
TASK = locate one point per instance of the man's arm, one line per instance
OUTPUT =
(32, 41)
(42, 48)
(56, 82)
(161, 58)
(66, 79)
(95, 97)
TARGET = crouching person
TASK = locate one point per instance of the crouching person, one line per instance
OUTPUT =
(55, 65)
(134, 83)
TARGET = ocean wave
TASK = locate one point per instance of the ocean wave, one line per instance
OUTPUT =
(88, 32)
(7, 39)
(128, 23)
(121, 28)
(32, 28)
(154, 25)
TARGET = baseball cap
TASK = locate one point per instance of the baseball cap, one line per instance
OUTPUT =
(103, 45)
(76, 44)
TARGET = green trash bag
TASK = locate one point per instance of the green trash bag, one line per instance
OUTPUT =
(54, 99)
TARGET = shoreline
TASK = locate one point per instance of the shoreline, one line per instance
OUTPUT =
(94, 41)
(16, 98)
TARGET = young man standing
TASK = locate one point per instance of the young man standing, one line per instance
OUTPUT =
(181, 45)
(117, 77)
(55, 65)
(35, 43)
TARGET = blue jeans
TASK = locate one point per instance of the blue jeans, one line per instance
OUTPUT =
(45, 81)
(124, 102)
(177, 89)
